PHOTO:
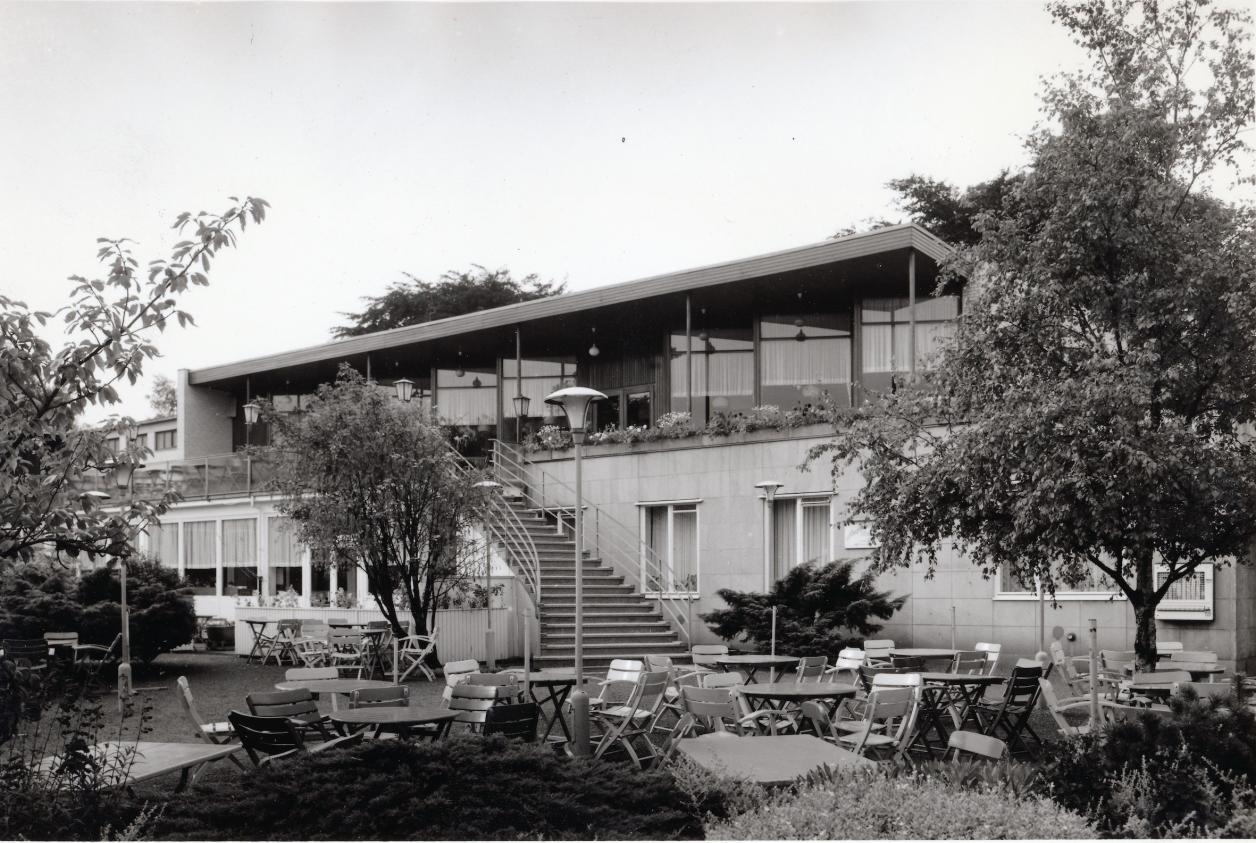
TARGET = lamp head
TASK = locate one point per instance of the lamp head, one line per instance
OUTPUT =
(769, 488)
(251, 412)
(521, 403)
(405, 389)
(575, 401)
(123, 472)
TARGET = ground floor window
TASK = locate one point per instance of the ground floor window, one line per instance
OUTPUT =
(669, 561)
(239, 557)
(283, 554)
(163, 544)
(1095, 585)
(200, 560)
(801, 532)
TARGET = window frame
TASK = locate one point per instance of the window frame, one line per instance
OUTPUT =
(801, 501)
(160, 436)
(643, 516)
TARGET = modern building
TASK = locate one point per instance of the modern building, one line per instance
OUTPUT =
(673, 518)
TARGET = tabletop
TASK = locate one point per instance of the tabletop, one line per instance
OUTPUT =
(962, 679)
(756, 659)
(775, 760)
(798, 690)
(393, 714)
(548, 677)
(331, 686)
(157, 758)
(923, 652)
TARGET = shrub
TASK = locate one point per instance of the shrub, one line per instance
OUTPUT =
(820, 610)
(162, 615)
(464, 788)
(889, 803)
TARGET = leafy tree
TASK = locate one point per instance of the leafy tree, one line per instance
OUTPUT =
(161, 610)
(819, 609)
(947, 211)
(455, 293)
(379, 486)
(163, 399)
(111, 323)
(1088, 416)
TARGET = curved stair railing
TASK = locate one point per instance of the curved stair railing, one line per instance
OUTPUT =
(612, 541)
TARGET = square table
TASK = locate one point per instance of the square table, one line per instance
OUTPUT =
(156, 758)
(769, 761)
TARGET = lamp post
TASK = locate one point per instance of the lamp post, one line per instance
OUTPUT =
(489, 487)
(575, 401)
(123, 474)
(769, 489)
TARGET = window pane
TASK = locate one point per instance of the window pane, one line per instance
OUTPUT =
(684, 550)
(198, 545)
(656, 541)
(884, 309)
(939, 307)
(163, 544)
(929, 339)
(797, 373)
(239, 542)
(281, 544)
(815, 531)
(878, 348)
(814, 325)
(784, 537)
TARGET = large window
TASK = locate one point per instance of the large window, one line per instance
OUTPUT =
(164, 440)
(239, 556)
(886, 329)
(163, 543)
(804, 359)
(200, 561)
(469, 399)
(283, 555)
(722, 366)
(670, 554)
(801, 532)
(1095, 586)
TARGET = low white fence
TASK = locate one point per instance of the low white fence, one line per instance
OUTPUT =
(460, 632)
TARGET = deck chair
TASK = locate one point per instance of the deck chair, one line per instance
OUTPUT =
(211, 733)
(889, 717)
(849, 660)
(633, 721)
(397, 696)
(455, 673)
(472, 703)
(1056, 708)
(982, 746)
(517, 721)
(299, 674)
(811, 668)
(1078, 681)
(413, 652)
(267, 739)
(298, 706)
(1009, 718)
(992, 652)
(877, 652)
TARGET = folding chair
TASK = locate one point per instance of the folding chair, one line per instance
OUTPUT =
(849, 660)
(706, 656)
(472, 702)
(456, 673)
(983, 746)
(1078, 681)
(267, 739)
(1115, 668)
(211, 733)
(970, 662)
(345, 651)
(877, 652)
(888, 719)
(397, 696)
(811, 668)
(310, 651)
(298, 706)
(1056, 708)
(282, 643)
(622, 724)
(710, 712)
(721, 680)
(507, 684)
(413, 652)
(617, 687)
(992, 652)
(1009, 718)
(517, 721)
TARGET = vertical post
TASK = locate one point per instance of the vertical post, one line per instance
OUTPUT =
(1094, 674)
(579, 699)
(689, 354)
(774, 630)
(911, 310)
(124, 667)
(396, 657)
(489, 656)
(1042, 617)
(527, 650)
(518, 384)
(952, 627)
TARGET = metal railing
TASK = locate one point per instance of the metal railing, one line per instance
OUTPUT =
(218, 476)
(610, 539)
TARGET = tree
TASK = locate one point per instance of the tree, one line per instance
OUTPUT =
(819, 609)
(163, 398)
(378, 485)
(161, 611)
(110, 322)
(1087, 418)
(947, 211)
(418, 301)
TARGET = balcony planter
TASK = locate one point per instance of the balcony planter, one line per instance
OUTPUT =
(810, 431)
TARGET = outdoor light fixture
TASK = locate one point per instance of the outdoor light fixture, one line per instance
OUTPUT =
(521, 403)
(477, 383)
(460, 372)
(769, 488)
(122, 474)
(594, 351)
(575, 401)
(251, 411)
(801, 336)
(405, 389)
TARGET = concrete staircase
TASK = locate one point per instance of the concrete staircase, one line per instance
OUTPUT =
(618, 622)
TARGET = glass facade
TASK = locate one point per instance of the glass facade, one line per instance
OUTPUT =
(800, 533)
(722, 365)
(805, 359)
(885, 348)
(467, 400)
(283, 555)
(200, 559)
(239, 557)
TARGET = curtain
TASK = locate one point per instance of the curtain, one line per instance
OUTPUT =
(685, 549)
(815, 530)
(239, 542)
(281, 542)
(784, 538)
(467, 406)
(929, 339)
(820, 361)
(878, 348)
(656, 541)
(163, 544)
(198, 545)
(717, 373)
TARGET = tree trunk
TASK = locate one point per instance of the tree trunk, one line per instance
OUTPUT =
(1145, 613)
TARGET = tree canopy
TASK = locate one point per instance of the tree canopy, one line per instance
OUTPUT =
(1089, 415)
(415, 301)
(163, 398)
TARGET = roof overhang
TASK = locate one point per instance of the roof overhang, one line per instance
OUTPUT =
(888, 239)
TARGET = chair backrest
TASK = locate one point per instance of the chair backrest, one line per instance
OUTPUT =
(868, 673)
(345, 640)
(289, 628)
(969, 662)
(514, 721)
(61, 639)
(184, 692)
(299, 704)
(811, 668)
(849, 659)
(31, 651)
(1117, 660)
(716, 708)
(471, 701)
(992, 651)
(654, 662)
(1052, 702)
(908, 662)
(650, 689)
(507, 682)
(298, 674)
(893, 707)
(314, 629)
(817, 716)
(897, 680)
(1168, 648)
(705, 655)
(397, 696)
(1195, 656)
(1021, 690)
(624, 670)
(722, 680)
(265, 735)
(878, 649)
(976, 744)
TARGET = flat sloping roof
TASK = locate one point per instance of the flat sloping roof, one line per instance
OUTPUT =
(851, 246)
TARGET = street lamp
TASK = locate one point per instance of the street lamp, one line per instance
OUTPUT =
(575, 401)
(123, 474)
(521, 403)
(405, 389)
(769, 488)
(489, 487)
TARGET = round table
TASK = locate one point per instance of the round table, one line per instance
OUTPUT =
(331, 686)
(397, 719)
(780, 696)
(926, 653)
(751, 663)
(945, 690)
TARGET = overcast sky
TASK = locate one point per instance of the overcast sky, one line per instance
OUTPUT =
(591, 143)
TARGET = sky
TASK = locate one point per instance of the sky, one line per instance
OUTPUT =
(587, 143)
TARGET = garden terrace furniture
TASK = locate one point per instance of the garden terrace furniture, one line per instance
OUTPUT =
(507, 684)
(1056, 707)
(268, 738)
(517, 721)
(946, 697)
(455, 673)
(213, 733)
(888, 717)
(617, 687)
(28, 653)
(1167, 649)
(151, 759)
(1158, 684)
(261, 641)
(938, 657)
(281, 644)
(427, 722)
(346, 651)
(720, 680)
(992, 651)
(331, 686)
(811, 667)
(61, 644)
(877, 652)
(633, 721)
(311, 652)
(373, 660)
(298, 706)
(555, 685)
(1078, 681)
(1010, 718)
(849, 660)
(396, 695)
(1113, 665)
(470, 702)
(775, 705)
(413, 652)
(983, 746)
(342, 623)
(1114, 712)
(968, 661)
(907, 664)
(768, 761)
(709, 710)
(752, 663)
(868, 674)
(705, 655)
(296, 674)
(1194, 656)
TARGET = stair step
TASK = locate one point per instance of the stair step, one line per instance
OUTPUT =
(616, 648)
(611, 639)
(608, 628)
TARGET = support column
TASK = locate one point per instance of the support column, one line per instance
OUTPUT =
(689, 354)
(911, 309)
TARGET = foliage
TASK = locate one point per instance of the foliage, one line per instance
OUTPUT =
(947, 211)
(1187, 773)
(1086, 419)
(378, 484)
(110, 322)
(455, 293)
(819, 610)
(900, 803)
(467, 788)
(163, 398)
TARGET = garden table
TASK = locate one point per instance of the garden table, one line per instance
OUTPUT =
(1199, 671)
(331, 686)
(260, 640)
(929, 654)
(769, 761)
(397, 719)
(752, 662)
(944, 692)
(557, 685)
(154, 758)
(374, 656)
(781, 696)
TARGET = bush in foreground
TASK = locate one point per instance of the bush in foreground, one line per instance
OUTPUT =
(467, 788)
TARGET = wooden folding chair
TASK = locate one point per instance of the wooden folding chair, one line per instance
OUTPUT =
(1078, 681)
(877, 652)
(211, 733)
(456, 673)
(472, 703)
(849, 660)
(397, 696)
(413, 652)
(982, 746)
(634, 720)
(507, 684)
(1010, 718)
(517, 721)
(1056, 708)
(345, 651)
(268, 739)
(301, 674)
(617, 687)
(889, 716)
(298, 706)
(992, 652)
(811, 668)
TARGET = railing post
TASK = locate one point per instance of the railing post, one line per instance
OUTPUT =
(207, 478)
(248, 475)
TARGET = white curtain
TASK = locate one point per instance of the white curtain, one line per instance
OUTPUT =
(163, 544)
(718, 373)
(820, 361)
(467, 406)
(657, 542)
(281, 542)
(239, 542)
(784, 537)
(198, 545)
(815, 530)
(684, 549)
(929, 339)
